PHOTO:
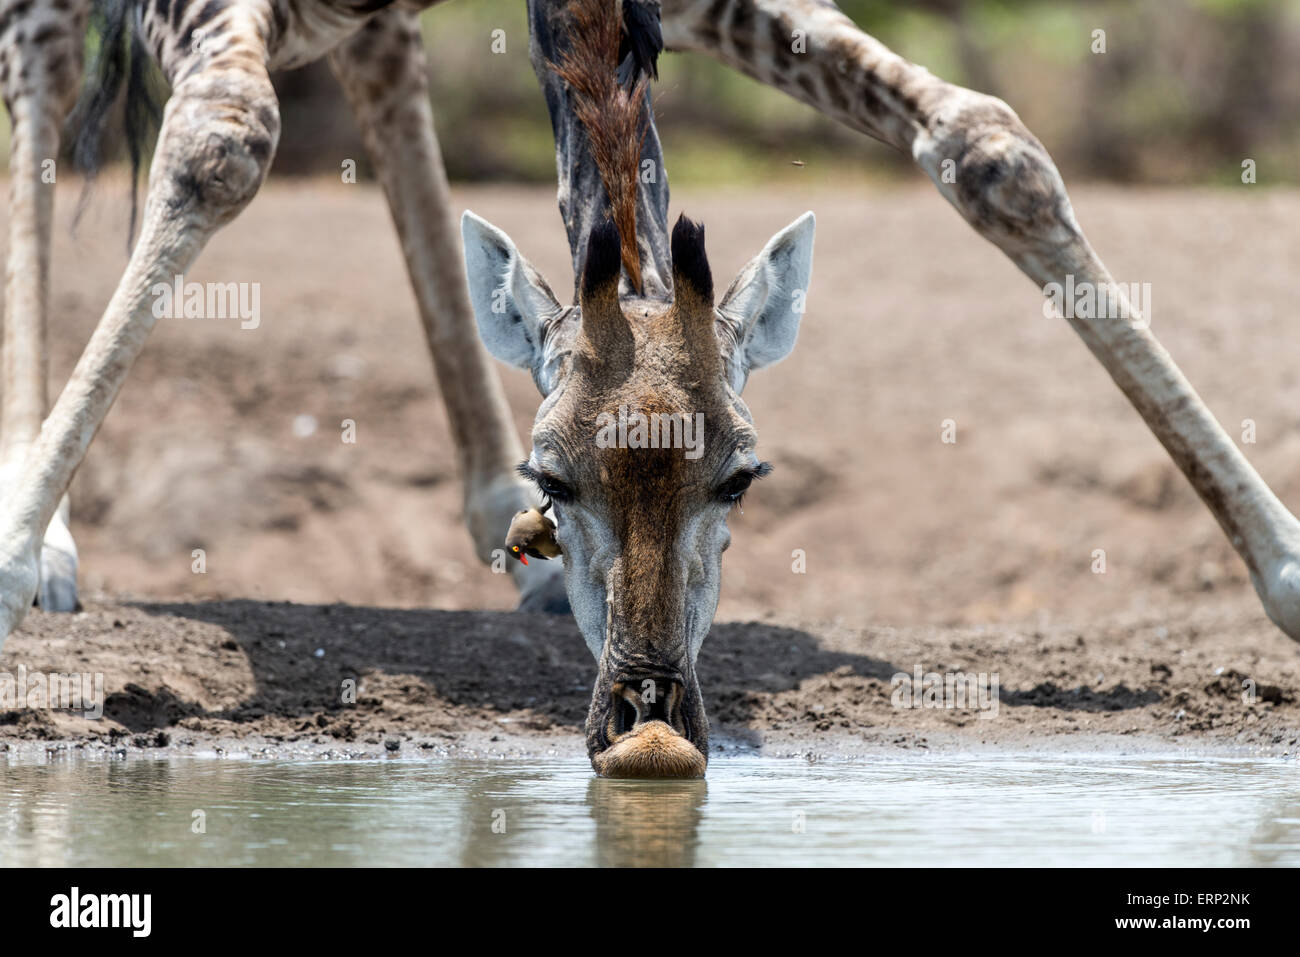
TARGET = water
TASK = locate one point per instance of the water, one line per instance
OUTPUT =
(959, 810)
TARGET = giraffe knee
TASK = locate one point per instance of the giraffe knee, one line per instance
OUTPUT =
(227, 165)
(41, 57)
(216, 152)
(996, 172)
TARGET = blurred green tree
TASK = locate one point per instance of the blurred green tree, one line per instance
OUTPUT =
(1185, 91)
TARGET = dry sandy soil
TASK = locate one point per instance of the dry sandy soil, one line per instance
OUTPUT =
(327, 560)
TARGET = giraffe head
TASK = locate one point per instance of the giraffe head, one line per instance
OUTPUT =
(643, 445)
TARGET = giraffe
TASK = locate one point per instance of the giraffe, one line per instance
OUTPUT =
(219, 132)
(641, 524)
(218, 136)
(40, 69)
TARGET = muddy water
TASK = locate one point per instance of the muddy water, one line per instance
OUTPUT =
(931, 810)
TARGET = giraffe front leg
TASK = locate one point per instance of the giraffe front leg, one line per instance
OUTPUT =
(1002, 181)
(219, 133)
(382, 70)
(40, 63)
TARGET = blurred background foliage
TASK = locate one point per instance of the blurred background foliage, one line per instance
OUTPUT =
(1185, 91)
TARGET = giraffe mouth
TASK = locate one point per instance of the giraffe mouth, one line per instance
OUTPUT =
(647, 727)
(653, 749)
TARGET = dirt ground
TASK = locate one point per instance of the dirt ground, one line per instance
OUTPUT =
(328, 560)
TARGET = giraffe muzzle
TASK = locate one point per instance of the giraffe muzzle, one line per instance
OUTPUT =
(650, 729)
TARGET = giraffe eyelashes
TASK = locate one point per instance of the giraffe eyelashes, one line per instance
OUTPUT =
(732, 491)
(548, 485)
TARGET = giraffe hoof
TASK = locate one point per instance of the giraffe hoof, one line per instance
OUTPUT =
(58, 588)
(19, 574)
(546, 604)
(1279, 591)
(58, 591)
(545, 592)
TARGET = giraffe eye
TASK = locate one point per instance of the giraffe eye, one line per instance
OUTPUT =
(733, 490)
(554, 490)
(548, 485)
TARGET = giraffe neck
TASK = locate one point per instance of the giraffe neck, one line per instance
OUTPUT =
(582, 197)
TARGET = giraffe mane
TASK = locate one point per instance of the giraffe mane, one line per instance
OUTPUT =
(613, 117)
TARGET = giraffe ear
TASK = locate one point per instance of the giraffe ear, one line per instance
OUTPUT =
(759, 315)
(511, 300)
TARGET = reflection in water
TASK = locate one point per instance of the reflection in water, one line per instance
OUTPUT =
(957, 809)
(646, 823)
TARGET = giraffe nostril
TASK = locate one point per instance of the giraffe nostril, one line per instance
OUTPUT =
(626, 716)
(639, 700)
